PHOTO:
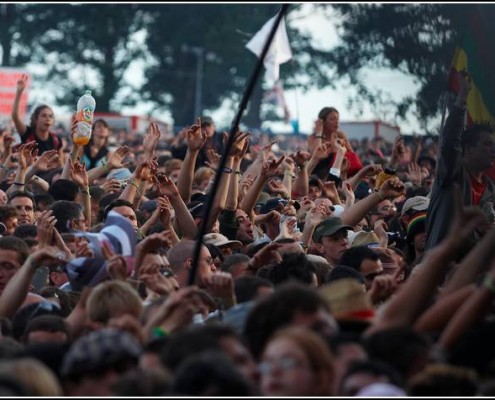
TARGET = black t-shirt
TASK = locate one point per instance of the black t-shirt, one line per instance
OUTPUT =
(52, 143)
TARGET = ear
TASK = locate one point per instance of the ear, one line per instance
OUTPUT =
(188, 263)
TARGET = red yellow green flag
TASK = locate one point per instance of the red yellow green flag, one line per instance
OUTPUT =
(475, 53)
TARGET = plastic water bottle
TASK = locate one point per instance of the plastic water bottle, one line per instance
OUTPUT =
(85, 111)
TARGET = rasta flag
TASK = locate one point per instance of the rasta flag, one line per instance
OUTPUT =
(475, 53)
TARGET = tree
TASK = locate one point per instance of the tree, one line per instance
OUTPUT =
(20, 26)
(221, 31)
(90, 46)
(417, 39)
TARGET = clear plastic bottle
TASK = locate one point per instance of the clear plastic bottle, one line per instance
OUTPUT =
(85, 111)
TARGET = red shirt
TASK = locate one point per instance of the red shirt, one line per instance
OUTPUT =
(477, 190)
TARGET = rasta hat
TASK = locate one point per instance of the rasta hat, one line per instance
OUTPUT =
(416, 225)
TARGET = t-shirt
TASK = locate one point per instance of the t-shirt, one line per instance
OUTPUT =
(477, 190)
(52, 143)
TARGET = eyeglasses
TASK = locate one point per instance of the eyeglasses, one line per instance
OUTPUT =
(284, 364)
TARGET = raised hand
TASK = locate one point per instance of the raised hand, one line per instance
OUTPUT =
(348, 192)
(22, 83)
(270, 168)
(78, 174)
(195, 137)
(116, 264)
(322, 151)
(154, 241)
(166, 187)
(146, 171)
(111, 185)
(45, 223)
(47, 256)
(414, 174)
(314, 216)
(165, 209)
(213, 158)
(371, 170)
(301, 158)
(220, 284)
(151, 139)
(240, 145)
(47, 161)
(278, 187)
(392, 188)
(8, 140)
(267, 255)
(156, 281)
(115, 159)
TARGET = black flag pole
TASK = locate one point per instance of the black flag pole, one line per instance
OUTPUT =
(230, 141)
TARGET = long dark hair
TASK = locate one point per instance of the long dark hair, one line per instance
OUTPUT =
(34, 116)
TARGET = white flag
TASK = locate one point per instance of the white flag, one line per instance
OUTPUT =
(279, 51)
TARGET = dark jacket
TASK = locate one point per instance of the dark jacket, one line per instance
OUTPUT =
(450, 169)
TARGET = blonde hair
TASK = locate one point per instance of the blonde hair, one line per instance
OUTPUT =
(171, 165)
(201, 175)
(36, 377)
(113, 298)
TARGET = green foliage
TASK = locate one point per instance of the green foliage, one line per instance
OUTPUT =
(417, 39)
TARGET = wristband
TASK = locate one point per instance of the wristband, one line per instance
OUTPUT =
(86, 192)
(319, 137)
(133, 184)
(19, 184)
(238, 172)
(159, 332)
(335, 171)
(227, 170)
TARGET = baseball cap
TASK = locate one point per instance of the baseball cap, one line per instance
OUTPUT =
(149, 205)
(100, 349)
(273, 203)
(220, 240)
(120, 174)
(328, 227)
(416, 203)
(205, 120)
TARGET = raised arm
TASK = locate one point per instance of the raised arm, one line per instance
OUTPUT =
(195, 139)
(17, 288)
(19, 124)
(80, 176)
(413, 298)
(114, 160)
(184, 218)
(300, 187)
(391, 189)
(269, 169)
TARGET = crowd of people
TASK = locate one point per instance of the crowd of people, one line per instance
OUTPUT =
(329, 267)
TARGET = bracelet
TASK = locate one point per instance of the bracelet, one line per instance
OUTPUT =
(238, 172)
(134, 184)
(319, 137)
(19, 184)
(489, 284)
(86, 192)
(159, 332)
(227, 170)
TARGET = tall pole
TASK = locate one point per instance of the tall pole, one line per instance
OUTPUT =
(230, 141)
(199, 51)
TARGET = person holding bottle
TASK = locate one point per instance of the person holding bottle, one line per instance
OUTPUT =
(42, 121)
(96, 151)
